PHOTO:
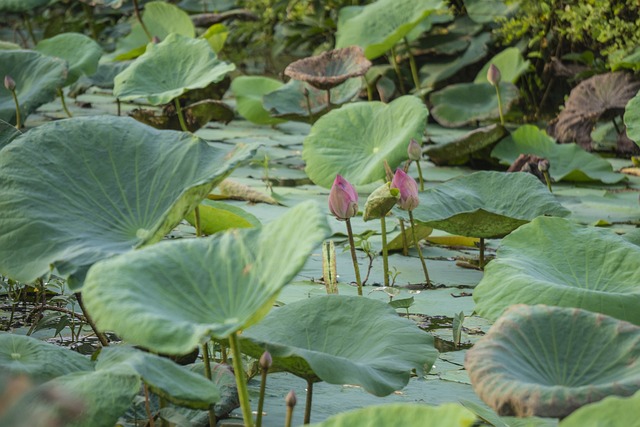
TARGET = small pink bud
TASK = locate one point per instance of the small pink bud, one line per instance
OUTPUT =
(493, 75)
(291, 399)
(408, 187)
(343, 199)
(414, 150)
(9, 83)
(155, 40)
(265, 360)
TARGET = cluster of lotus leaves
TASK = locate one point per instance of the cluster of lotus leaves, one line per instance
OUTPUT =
(336, 338)
(557, 262)
(131, 184)
(79, 51)
(470, 206)
(549, 361)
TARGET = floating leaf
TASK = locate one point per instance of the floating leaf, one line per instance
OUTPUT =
(557, 262)
(632, 119)
(568, 162)
(510, 63)
(173, 295)
(612, 410)
(404, 414)
(464, 103)
(130, 185)
(249, 91)
(355, 140)
(37, 78)
(471, 206)
(81, 53)
(549, 361)
(380, 25)
(219, 216)
(169, 69)
(457, 150)
(336, 338)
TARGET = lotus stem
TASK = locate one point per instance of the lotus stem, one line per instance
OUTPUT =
(136, 11)
(290, 401)
(15, 101)
(207, 373)
(196, 215)
(369, 91)
(241, 380)
(385, 252)
(308, 101)
(163, 404)
(329, 274)
(352, 246)
(405, 244)
(265, 364)
(64, 103)
(481, 257)
(414, 69)
(119, 107)
(499, 104)
(396, 68)
(147, 407)
(101, 337)
(183, 123)
(89, 15)
(307, 403)
(547, 179)
(415, 242)
(328, 99)
(27, 23)
(420, 175)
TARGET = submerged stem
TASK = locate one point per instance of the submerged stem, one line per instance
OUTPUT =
(241, 380)
(415, 242)
(352, 246)
(385, 252)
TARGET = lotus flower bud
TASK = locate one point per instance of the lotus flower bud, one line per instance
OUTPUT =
(291, 400)
(543, 165)
(9, 83)
(343, 199)
(414, 150)
(155, 40)
(408, 187)
(265, 360)
(380, 202)
(493, 75)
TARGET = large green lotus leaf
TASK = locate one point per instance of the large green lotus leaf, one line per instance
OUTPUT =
(83, 189)
(485, 11)
(248, 91)
(611, 411)
(40, 361)
(18, 6)
(510, 63)
(355, 140)
(81, 53)
(161, 19)
(568, 162)
(164, 377)
(557, 262)
(7, 133)
(380, 25)
(37, 78)
(172, 296)
(486, 204)
(460, 145)
(169, 69)
(464, 103)
(220, 216)
(548, 361)
(337, 338)
(405, 415)
(632, 118)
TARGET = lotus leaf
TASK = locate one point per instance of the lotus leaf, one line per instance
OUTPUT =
(337, 338)
(37, 78)
(18, 6)
(355, 140)
(206, 5)
(510, 63)
(548, 361)
(464, 103)
(40, 361)
(290, 102)
(632, 119)
(405, 415)
(130, 185)
(169, 69)
(196, 115)
(568, 161)
(610, 411)
(485, 11)
(248, 91)
(172, 296)
(380, 25)
(457, 150)
(161, 19)
(557, 262)
(331, 68)
(216, 35)
(7, 133)
(81, 53)
(219, 216)
(471, 206)
(164, 377)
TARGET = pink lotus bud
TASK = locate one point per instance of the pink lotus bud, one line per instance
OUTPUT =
(155, 40)
(9, 83)
(290, 399)
(414, 150)
(343, 199)
(408, 187)
(493, 75)
(265, 360)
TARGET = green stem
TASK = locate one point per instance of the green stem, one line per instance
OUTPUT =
(420, 175)
(27, 23)
(481, 258)
(101, 337)
(307, 405)
(547, 179)
(88, 12)
(263, 387)
(288, 416)
(369, 91)
(328, 99)
(196, 215)
(136, 11)
(385, 253)
(207, 373)
(352, 246)
(414, 69)
(163, 404)
(415, 242)
(64, 103)
(396, 68)
(241, 380)
(183, 124)
(308, 101)
(147, 406)
(405, 245)
(499, 104)
(119, 107)
(15, 101)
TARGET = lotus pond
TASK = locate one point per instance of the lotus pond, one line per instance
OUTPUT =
(362, 213)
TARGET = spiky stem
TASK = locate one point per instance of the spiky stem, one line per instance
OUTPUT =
(352, 246)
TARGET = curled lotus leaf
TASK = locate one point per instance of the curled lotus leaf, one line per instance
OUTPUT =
(554, 261)
(549, 361)
(331, 68)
